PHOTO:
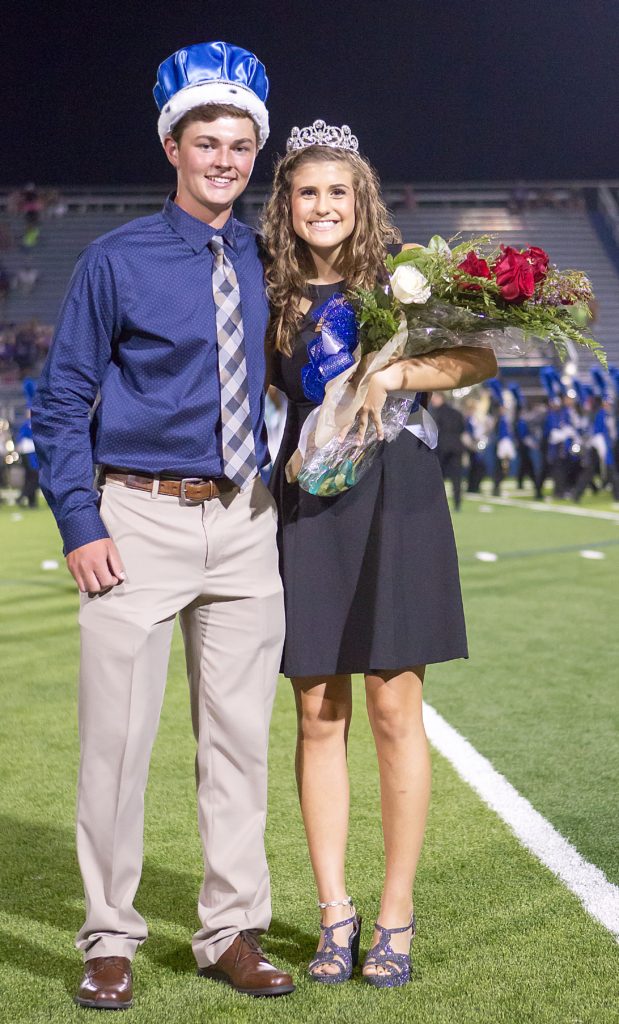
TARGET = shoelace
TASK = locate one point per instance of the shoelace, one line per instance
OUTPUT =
(110, 961)
(254, 947)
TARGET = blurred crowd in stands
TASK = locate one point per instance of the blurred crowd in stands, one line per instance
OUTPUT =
(27, 208)
(521, 198)
(23, 348)
(30, 205)
(525, 197)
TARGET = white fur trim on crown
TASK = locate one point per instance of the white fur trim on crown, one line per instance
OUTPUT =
(214, 92)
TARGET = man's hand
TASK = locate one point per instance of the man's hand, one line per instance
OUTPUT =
(96, 567)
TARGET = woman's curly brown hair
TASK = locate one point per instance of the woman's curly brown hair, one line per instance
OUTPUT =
(289, 261)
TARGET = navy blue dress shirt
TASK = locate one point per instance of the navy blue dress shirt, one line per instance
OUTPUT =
(138, 326)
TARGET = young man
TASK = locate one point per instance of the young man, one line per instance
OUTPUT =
(165, 319)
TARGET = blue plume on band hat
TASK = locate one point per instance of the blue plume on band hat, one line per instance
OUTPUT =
(496, 389)
(600, 387)
(583, 391)
(613, 373)
(211, 73)
(551, 382)
(517, 393)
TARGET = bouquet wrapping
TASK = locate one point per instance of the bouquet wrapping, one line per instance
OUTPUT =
(341, 463)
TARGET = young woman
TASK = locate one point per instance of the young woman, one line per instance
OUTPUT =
(370, 575)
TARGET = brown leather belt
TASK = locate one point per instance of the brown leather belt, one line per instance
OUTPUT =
(190, 490)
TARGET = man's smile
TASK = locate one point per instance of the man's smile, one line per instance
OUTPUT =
(219, 181)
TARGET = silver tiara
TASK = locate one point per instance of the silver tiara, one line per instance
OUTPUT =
(321, 134)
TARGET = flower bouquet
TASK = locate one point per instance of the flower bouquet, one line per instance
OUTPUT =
(434, 297)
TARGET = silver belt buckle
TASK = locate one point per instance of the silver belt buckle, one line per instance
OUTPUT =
(182, 498)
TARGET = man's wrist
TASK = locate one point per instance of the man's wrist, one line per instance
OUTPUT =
(82, 528)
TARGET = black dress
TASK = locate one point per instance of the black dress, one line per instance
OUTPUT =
(371, 575)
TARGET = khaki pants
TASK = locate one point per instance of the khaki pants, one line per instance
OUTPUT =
(215, 564)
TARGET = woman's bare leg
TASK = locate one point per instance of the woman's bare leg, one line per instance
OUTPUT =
(394, 703)
(324, 707)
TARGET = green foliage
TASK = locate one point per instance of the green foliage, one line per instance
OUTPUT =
(378, 317)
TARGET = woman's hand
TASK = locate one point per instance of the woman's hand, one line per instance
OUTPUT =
(441, 370)
(381, 383)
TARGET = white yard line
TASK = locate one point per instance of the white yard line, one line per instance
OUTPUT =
(542, 506)
(599, 897)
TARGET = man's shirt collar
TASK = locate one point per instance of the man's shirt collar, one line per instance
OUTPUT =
(195, 232)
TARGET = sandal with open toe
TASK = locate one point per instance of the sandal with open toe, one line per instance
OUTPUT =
(343, 958)
(397, 966)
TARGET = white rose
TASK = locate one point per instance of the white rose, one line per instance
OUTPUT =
(409, 285)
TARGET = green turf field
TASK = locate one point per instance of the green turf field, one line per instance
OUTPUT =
(500, 939)
(540, 695)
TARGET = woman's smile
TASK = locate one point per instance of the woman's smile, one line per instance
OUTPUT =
(322, 225)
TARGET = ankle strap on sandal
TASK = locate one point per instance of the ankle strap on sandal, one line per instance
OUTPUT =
(394, 931)
(330, 928)
(345, 902)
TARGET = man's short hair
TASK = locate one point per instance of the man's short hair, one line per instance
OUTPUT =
(210, 112)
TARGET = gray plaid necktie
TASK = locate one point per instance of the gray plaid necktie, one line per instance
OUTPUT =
(236, 430)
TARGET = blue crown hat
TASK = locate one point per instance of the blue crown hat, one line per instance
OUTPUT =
(551, 382)
(600, 387)
(211, 73)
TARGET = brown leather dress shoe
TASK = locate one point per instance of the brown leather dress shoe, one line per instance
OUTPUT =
(245, 967)
(107, 984)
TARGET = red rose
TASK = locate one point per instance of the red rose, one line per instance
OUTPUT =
(514, 275)
(539, 261)
(476, 268)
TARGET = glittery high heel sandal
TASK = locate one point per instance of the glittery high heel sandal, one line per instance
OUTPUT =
(397, 966)
(344, 958)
